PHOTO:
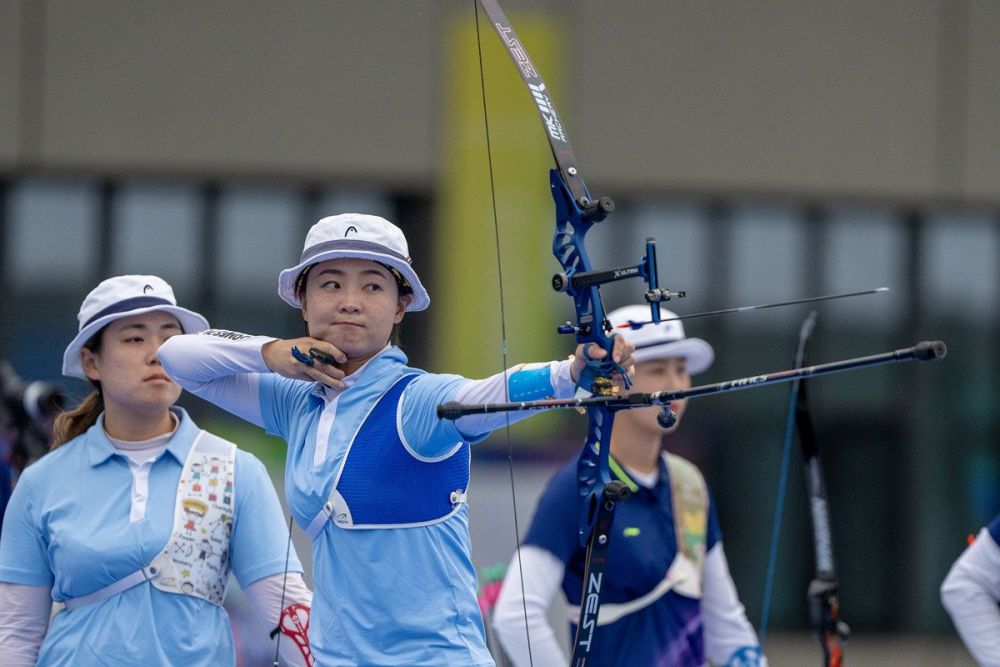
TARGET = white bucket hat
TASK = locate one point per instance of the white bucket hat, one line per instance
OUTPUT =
(359, 236)
(658, 341)
(124, 296)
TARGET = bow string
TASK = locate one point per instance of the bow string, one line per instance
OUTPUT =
(576, 212)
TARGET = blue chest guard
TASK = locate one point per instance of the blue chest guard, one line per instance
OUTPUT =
(382, 483)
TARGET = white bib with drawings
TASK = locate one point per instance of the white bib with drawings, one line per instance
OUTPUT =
(195, 560)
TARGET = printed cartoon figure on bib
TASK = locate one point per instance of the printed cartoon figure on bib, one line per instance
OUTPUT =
(668, 597)
(136, 518)
(372, 475)
(199, 549)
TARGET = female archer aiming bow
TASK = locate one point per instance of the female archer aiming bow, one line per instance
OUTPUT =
(377, 480)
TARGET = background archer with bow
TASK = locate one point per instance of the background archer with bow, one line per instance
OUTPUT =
(670, 599)
(598, 494)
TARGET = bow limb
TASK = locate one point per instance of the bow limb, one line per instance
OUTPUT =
(824, 606)
(598, 494)
(576, 212)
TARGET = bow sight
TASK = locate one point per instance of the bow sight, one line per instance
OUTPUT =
(645, 269)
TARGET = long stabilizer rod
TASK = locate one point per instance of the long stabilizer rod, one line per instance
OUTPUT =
(923, 351)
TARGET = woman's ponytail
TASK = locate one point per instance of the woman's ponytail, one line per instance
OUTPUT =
(71, 423)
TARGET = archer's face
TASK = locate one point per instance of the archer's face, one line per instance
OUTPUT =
(669, 374)
(132, 379)
(353, 305)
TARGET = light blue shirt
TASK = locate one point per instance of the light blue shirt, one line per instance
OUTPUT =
(399, 596)
(67, 526)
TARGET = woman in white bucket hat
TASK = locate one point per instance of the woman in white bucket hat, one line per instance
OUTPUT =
(136, 518)
(668, 598)
(373, 476)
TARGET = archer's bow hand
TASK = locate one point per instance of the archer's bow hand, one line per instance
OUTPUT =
(621, 356)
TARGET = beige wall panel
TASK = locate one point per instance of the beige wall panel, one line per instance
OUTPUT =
(10, 21)
(788, 96)
(299, 88)
(983, 137)
(792, 97)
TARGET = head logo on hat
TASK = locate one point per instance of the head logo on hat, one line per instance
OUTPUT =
(663, 340)
(373, 238)
(124, 296)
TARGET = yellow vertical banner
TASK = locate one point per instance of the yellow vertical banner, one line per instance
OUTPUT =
(466, 312)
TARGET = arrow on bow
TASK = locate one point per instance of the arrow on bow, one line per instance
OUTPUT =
(761, 306)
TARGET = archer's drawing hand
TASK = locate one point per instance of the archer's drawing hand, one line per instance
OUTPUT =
(292, 358)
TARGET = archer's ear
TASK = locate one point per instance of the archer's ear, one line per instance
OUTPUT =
(89, 362)
(401, 306)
